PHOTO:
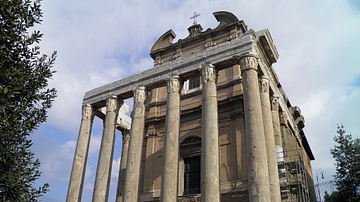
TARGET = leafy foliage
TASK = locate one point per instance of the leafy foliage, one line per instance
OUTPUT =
(347, 157)
(24, 98)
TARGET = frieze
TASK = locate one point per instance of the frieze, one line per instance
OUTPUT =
(182, 65)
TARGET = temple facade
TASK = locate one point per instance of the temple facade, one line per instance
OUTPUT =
(210, 122)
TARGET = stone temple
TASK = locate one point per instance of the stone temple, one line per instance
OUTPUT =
(210, 122)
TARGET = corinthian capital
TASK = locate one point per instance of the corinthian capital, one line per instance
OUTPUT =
(87, 111)
(139, 94)
(111, 103)
(208, 73)
(283, 119)
(173, 84)
(275, 103)
(264, 85)
(248, 62)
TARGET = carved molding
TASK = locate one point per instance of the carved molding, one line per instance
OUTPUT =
(173, 84)
(208, 73)
(275, 102)
(248, 62)
(264, 85)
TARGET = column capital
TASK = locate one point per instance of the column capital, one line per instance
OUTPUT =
(87, 111)
(139, 94)
(283, 119)
(125, 134)
(248, 62)
(264, 84)
(208, 73)
(275, 102)
(173, 84)
(111, 104)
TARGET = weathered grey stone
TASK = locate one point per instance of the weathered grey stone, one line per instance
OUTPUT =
(169, 189)
(81, 153)
(269, 140)
(210, 176)
(103, 172)
(123, 161)
(135, 147)
(213, 55)
(258, 175)
(276, 119)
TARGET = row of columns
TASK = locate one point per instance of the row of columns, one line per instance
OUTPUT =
(263, 180)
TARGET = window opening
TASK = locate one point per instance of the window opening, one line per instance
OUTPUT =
(192, 175)
(194, 82)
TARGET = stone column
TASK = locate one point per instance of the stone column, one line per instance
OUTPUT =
(283, 128)
(103, 172)
(258, 176)
(123, 161)
(276, 120)
(135, 146)
(210, 177)
(169, 180)
(270, 141)
(81, 154)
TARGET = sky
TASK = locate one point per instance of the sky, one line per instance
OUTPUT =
(99, 42)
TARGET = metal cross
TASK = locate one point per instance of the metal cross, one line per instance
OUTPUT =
(195, 15)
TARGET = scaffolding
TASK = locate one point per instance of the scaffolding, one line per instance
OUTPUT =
(293, 176)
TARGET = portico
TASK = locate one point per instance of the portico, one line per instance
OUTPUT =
(166, 120)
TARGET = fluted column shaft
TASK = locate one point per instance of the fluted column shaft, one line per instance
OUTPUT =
(135, 146)
(103, 172)
(270, 141)
(81, 153)
(123, 161)
(169, 180)
(258, 176)
(210, 177)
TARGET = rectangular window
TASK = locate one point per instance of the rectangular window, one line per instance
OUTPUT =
(192, 175)
(194, 82)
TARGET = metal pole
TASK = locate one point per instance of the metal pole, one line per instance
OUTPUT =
(321, 171)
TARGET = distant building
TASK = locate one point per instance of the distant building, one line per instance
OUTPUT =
(210, 122)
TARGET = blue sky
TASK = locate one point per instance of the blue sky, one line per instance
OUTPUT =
(103, 41)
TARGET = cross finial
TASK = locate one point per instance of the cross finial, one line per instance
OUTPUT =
(194, 17)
